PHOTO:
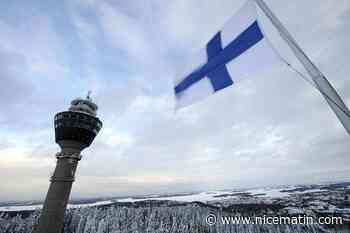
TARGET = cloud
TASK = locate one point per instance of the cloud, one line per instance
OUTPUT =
(127, 53)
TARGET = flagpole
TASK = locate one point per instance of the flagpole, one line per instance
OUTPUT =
(322, 84)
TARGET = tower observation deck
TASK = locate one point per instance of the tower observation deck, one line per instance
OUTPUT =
(75, 130)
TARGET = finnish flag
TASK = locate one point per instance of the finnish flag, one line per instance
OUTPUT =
(238, 50)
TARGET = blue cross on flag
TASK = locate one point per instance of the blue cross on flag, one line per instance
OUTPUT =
(237, 50)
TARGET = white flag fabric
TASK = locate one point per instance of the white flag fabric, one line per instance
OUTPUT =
(238, 50)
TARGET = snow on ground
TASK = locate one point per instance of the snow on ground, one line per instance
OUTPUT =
(210, 196)
(201, 197)
(20, 207)
(34, 207)
(313, 191)
(272, 193)
(90, 204)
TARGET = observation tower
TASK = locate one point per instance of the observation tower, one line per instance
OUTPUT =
(75, 130)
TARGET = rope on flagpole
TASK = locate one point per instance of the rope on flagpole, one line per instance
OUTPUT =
(300, 74)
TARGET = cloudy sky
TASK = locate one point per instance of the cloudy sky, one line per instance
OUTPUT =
(269, 129)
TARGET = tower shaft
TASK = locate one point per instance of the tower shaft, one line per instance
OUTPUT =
(75, 130)
(52, 215)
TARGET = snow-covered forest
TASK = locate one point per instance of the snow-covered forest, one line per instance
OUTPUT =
(156, 219)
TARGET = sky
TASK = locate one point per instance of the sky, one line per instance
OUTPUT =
(269, 129)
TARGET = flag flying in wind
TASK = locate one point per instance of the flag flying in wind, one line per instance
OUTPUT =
(237, 50)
